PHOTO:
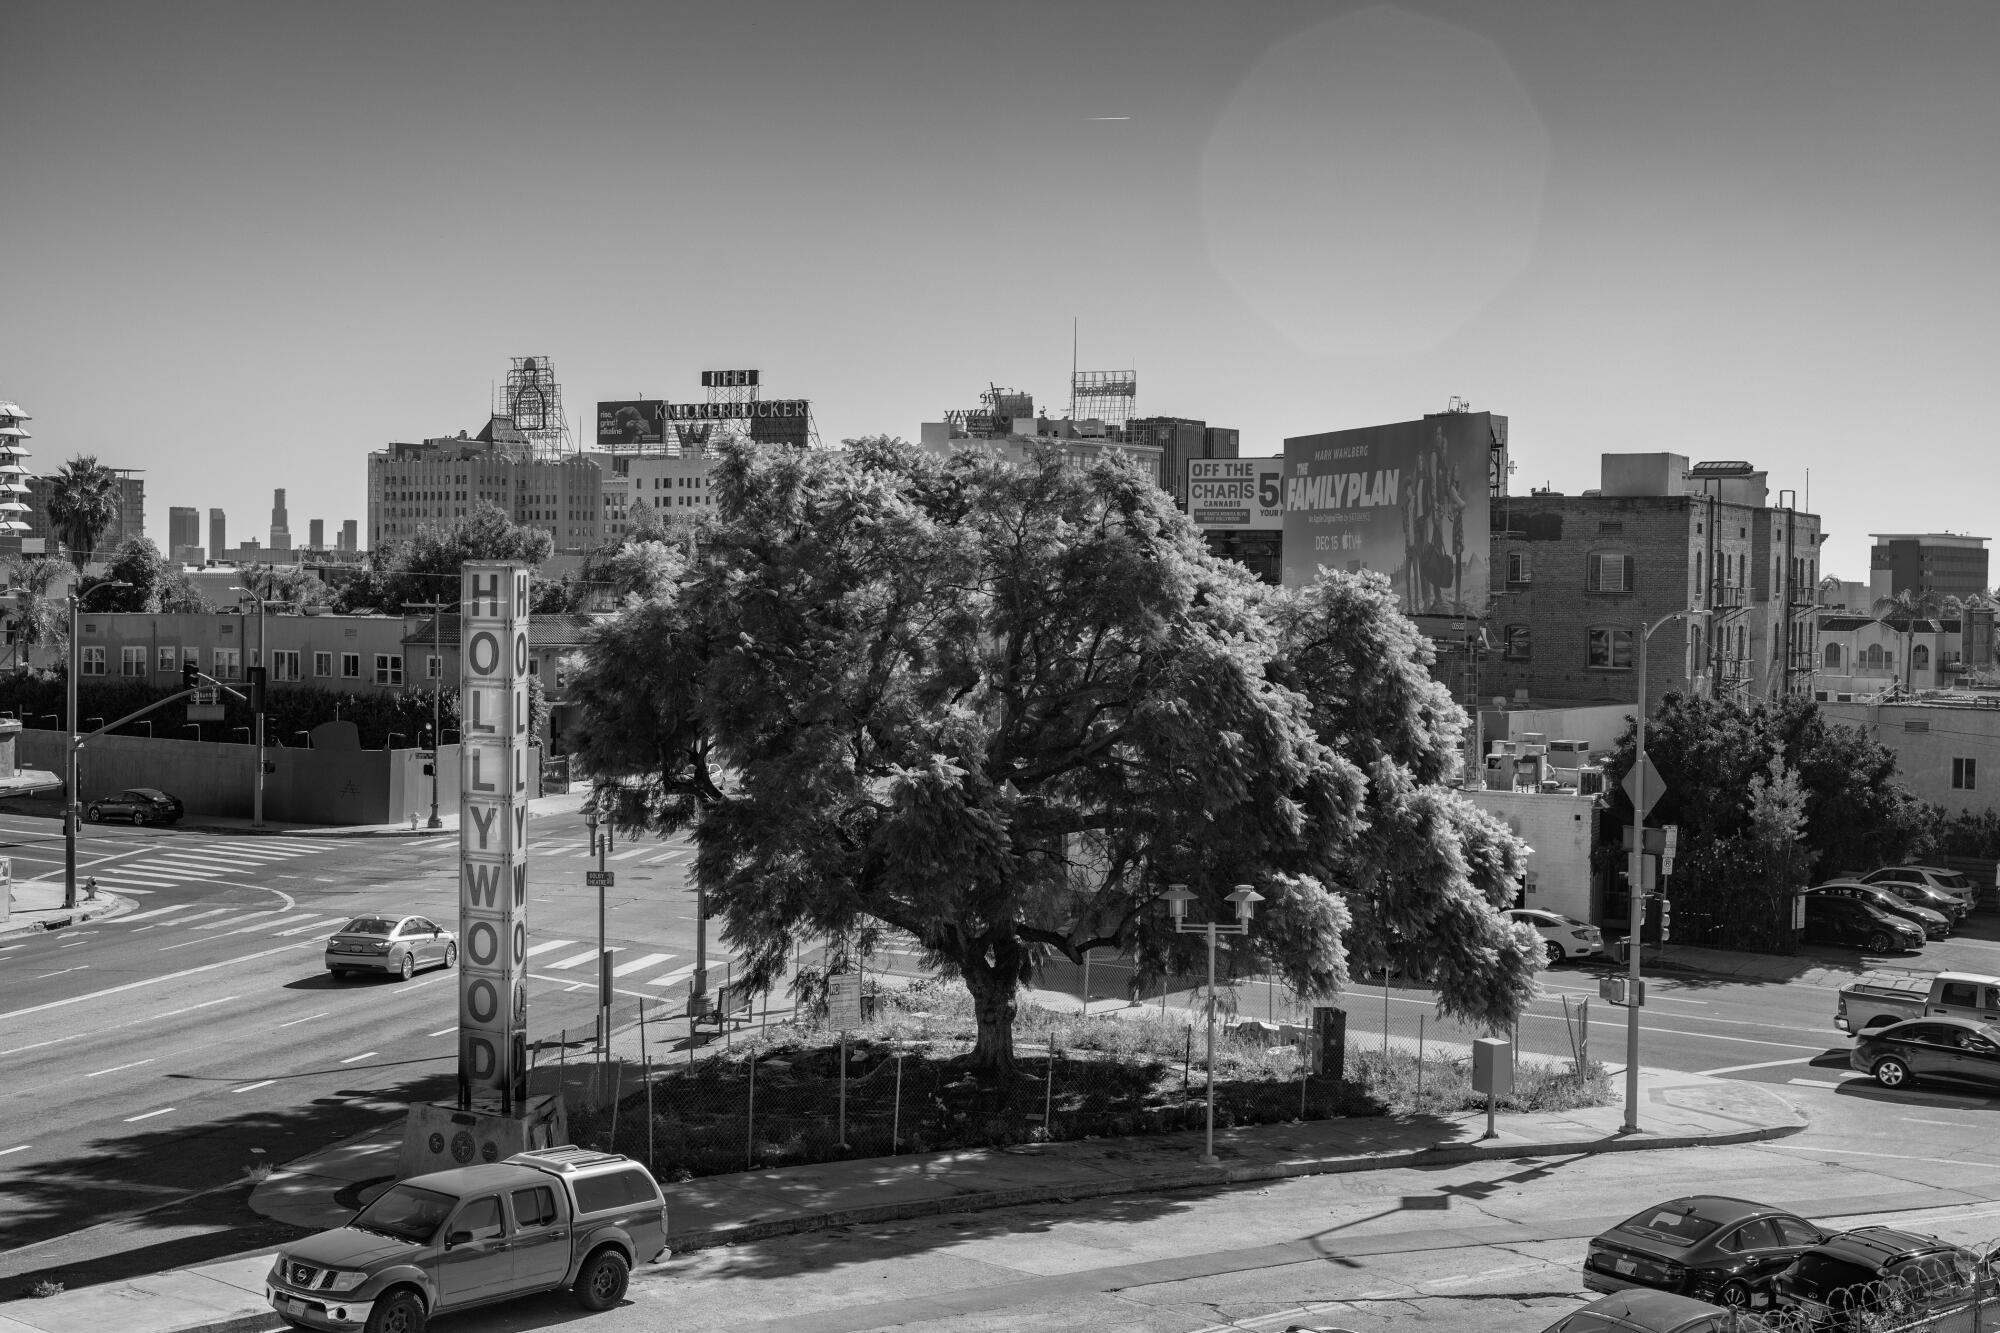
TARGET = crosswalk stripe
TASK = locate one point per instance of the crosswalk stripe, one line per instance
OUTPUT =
(574, 960)
(200, 916)
(545, 946)
(662, 858)
(669, 978)
(157, 911)
(265, 920)
(181, 872)
(205, 862)
(638, 964)
(123, 880)
(293, 844)
(243, 854)
(626, 856)
(127, 888)
(300, 930)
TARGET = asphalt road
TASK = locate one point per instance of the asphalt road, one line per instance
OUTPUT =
(1491, 1246)
(166, 1052)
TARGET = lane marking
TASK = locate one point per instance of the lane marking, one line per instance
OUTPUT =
(80, 967)
(545, 946)
(1919, 1120)
(278, 917)
(165, 1110)
(574, 960)
(1738, 1069)
(363, 1056)
(117, 1068)
(307, 1019)
(302, 929)
(22, 1147)
(145, 981)
(128, 888)
(35, 1046)
(157, 911)
(444, 1031)
(639, 964)
(252, 1087)
(202, 916)
(1856, 1152)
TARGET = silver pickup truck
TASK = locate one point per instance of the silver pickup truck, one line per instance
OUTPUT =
(554, 1217)
(1890, 996)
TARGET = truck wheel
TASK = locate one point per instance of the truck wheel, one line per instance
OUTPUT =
(1891, 1072)
(601, 1284)
(398, 1312)
(1880, 942)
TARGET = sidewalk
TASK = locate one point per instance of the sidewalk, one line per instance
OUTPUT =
(37, 905)
(1678, 1110)
(555, 803)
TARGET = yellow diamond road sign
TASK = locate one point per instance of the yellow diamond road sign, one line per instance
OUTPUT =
(1656, 786)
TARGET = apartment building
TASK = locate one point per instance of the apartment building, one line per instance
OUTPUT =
(1578, 579)
(364, 654)
(438, 481)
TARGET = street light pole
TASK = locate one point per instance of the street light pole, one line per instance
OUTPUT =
(257, 797)
(1245, 900)
(1636, 875)
(437, 690)
(73, 807)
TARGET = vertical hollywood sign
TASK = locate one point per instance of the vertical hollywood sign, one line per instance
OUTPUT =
(493, 834)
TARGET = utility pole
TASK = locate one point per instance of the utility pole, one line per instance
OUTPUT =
(73, 807)
(437, 690)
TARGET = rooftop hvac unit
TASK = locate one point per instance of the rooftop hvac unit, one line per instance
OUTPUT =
(1590, 782)
(1534, 737)
(1568, 747)
(1504, 747)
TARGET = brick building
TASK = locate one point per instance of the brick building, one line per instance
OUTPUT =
(1578, 578)
(440, 481)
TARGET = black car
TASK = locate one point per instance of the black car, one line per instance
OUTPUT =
(1706, 1246)
(1851, 921)
(1853, 1278)
(1956, 1050)
(1934, 924)
(135, 805)
(1949, 905)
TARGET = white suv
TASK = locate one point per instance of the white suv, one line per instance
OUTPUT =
(1954, 882)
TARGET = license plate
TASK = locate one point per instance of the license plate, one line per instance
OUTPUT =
(1624, 1266)
(290, 1306)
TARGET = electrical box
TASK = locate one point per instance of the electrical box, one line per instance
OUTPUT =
(1330, 1027)
(1620, 990)
(1493, 1066)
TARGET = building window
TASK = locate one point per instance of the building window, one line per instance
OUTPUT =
(166, 658)
(228, 663)
(131, 661)
(1872, 658)
(93, 660)
(433, 666)
(322, 664)
(1609, 571)
(1833, 657)
(1697, 578)
(1963, 773)
(388, 669)
(1609, 648)
(191, 657)
(350, 666)
(1517, 643)
(284, 664)
(1920, 658)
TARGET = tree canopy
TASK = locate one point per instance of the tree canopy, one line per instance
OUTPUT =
(425, 568)
(293, 586)
(83, 502)
(152, 582)
(1004, 709)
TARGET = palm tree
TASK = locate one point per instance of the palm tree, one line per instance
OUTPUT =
(1910, 603)
(82, 504)
(36, 618)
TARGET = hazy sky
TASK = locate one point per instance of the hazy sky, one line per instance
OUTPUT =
(245, 244)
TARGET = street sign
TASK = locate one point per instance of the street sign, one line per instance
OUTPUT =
(1656, 786)
(1656, 839)
(843, 1000)
(600, 879)
(204, 712)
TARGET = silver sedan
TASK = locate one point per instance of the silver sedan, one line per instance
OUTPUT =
(397, 945)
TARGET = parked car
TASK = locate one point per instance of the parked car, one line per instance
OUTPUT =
(402, 946)
(136, 805)
(433, 1244)
(1872, 1271)
(1957, 1050)
(1937, 877)
(1885, 996)
(1562, 936)
(1643, 1311)
(1707, 1246)
(1948, 905)
(1851, 921)
(1936, 925)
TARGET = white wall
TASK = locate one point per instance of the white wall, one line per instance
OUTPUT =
(1558, 826)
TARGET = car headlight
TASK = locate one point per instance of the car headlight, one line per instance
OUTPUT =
(343, 1281)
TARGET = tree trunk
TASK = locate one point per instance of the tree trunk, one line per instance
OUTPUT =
(994, 986)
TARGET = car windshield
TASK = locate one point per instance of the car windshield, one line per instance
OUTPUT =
(1822, 1273)
(368, 925)
(406, 1212)
(1670, 1225)
(1956, 879)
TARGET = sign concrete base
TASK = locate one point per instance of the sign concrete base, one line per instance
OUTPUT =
(438, 1136)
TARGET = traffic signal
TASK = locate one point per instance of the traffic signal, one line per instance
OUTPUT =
(430, 768)
(190, 676)
(255, 675)
(270, 765)
(1666, 918)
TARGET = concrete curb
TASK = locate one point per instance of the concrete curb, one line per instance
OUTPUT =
(108, 905)
(1160, 1182)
